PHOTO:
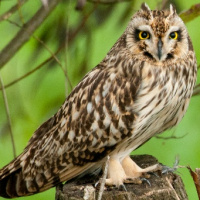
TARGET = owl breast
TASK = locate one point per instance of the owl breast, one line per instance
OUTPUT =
(163, 98)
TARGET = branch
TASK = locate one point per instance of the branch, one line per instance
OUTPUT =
(12, 10)
(70, 40)
(8, 116)
(191, 13)
(170, 137)
(103, 180)
(24, 34)
(28, 73)
(196, 90)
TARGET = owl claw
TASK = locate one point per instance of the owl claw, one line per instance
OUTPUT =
(145, 180)
(139, 180)
(153, 173)
(97, 183)
(123, 187)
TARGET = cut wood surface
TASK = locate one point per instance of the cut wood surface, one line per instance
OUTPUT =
(160, 187)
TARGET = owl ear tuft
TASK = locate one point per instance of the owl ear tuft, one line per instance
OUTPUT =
(172, 9)
(145, 7)
(172, 12)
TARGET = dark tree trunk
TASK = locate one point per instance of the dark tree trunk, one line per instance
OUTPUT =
(160, 187)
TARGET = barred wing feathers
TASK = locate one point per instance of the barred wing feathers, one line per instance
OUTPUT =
(90, 124)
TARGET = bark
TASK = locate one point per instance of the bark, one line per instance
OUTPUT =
(26, 32)
(167, 187)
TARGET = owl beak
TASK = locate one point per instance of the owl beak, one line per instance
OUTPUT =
(160, 44)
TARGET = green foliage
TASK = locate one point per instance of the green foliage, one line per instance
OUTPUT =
(91, 33)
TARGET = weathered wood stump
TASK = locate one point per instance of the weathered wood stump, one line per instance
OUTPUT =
(161, 187)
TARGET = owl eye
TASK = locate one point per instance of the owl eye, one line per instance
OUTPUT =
(143, 35)
(173, 35)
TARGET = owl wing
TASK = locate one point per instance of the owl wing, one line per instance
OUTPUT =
(94, 119)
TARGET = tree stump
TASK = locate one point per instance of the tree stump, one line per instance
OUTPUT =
(160, 187)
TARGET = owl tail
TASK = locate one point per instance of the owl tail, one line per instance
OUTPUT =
(13, 183)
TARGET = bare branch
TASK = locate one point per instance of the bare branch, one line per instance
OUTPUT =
(24, 34)
(29, 73)
(45, 3)
(161, 5)
(80, 4)
(48, 49)
(8, 116)
(20, 12)
(103, 179)
(170, 185)
(191, 13)
(164, 4)
(56, 59)
(12, 10)
(70, 39)
(170, 137)
(196, 90)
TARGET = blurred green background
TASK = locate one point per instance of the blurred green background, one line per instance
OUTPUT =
(34, 99)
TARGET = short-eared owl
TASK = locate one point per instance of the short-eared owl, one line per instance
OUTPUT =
(141, 88)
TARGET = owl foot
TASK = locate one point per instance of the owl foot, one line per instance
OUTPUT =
(127, 171)
(116, 174)
(132, 170)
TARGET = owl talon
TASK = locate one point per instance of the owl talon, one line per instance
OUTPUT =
(123, 187)
(139, 180)
(153, 173)
(97, 184)
(146, 181)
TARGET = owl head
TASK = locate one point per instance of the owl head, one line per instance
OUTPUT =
(157, 35)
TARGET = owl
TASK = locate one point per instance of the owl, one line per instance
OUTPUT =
(141, 88)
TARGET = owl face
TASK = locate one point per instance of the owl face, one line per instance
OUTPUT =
(157, 36)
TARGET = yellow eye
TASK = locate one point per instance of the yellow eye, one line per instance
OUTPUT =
(143, 35)
(173, 35)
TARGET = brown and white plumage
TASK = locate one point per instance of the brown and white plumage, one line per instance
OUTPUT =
(141, 88)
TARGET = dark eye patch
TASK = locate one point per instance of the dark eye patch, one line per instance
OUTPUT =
(179, 35)
(141, 35)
